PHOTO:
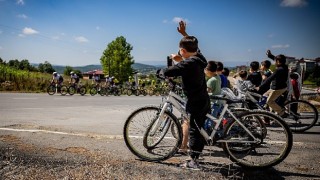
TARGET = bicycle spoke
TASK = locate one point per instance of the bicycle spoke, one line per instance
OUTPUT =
(268, 151)
(149, 140)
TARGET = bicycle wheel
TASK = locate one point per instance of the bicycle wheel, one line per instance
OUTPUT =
(71, 90)
(137, 92)
(63, 90)
(259, 121)
(156, 131)
(93, 91)
(136, 127)
(144, 92)
(150, 91)
(82, 91)
(129, 92)
(260, 152)
(102, 91)
(302, 115)
(51, 90)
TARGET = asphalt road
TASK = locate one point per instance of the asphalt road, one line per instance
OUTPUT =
(98, 115)
(63, 122)
(79, 114)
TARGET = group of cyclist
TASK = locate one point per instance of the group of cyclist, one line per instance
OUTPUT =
(58, 79)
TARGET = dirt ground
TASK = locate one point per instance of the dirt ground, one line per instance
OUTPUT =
(42, 156)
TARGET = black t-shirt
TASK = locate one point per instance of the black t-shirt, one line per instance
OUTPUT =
(255, 78)
(193, 80)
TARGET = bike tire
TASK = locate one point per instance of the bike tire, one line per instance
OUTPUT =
(260, 120)
(51, 90)
(135, 129)
(149, 139)
(82, 91)
(72, 90)
(137, 92)
(273, 149)
(144, 92)
(103, 91)
(63, 90)
(150, 92)
(93, 91)
(305, 117)
(129, 92)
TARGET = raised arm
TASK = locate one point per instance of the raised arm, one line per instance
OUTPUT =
(182, 28)
(270, 55)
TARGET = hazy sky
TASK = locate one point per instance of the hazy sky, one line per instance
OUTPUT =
(76, 32)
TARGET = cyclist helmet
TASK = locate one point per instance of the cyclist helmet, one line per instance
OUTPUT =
(71, 72)
(54, 73)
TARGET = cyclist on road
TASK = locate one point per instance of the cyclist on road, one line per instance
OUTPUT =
(96, 80)
(74, 78)
(56, 77)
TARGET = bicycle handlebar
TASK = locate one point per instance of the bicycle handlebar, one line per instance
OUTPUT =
(160, 75)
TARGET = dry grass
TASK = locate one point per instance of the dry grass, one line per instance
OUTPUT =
(15, 164)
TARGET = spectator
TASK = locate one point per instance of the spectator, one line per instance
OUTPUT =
(266, 72)
(190, 67)
(255, 76)
(278, 82)
(224, 80)
(226, 73)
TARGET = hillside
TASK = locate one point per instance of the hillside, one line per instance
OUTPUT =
(142, 68)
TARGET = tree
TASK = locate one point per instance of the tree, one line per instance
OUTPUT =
(117, 60)
(67, 70)
(46, 67)
(14, 63)
(2, 61)
(78, 73)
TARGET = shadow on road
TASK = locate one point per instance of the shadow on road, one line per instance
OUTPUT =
(233, 171)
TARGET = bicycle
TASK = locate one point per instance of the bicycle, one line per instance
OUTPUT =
(113, 89)
(56, 88)
(243, 140)
(76, 88)
(97, 89)
(302, 114)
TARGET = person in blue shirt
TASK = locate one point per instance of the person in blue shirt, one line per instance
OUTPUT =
(224, 80)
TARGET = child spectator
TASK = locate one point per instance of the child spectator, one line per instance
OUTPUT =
(191, 68)
(224, 80)
(213, 85)
(278, 82)
(214, 81)
(243, 85)
(226, 73)
(295, 90)
(255, 76)
(266, 72)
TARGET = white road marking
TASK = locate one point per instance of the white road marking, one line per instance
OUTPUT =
(64, 133)
(111, 136)
(23, 98)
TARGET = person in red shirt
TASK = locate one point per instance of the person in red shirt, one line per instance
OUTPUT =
(295, 90)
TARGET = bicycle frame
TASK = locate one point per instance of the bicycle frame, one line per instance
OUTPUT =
(179, 104)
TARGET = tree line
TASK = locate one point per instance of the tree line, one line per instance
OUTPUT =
(116, 60)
